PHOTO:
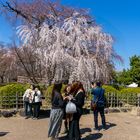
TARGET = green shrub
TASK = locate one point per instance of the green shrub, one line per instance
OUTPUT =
(110, 89)
(131, 90)
(12, 89)
(118, 87)
(130, 95)
(9, 91)
(121, 88)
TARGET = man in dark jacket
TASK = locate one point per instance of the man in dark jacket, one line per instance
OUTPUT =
(98, 98)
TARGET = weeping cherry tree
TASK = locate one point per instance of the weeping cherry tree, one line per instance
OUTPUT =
(72, 49)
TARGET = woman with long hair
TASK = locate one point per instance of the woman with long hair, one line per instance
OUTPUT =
(78, 99)
(56, 115)
(66, 116)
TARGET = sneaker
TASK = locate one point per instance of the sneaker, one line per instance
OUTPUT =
(104, 128)
(26, 117)
(96, 130)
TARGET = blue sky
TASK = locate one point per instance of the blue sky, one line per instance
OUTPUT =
(120, 18)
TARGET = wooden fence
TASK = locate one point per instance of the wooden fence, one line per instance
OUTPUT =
(122, 99)
(113, 100)
(10, 102)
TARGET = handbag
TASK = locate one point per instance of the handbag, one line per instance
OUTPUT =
(70, 108)
(26, 99)
(93, 105)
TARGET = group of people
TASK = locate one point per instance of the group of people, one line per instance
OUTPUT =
(32, 99)
(74, 93)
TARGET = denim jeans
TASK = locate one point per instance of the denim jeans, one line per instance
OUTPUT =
(101, 111)
(28, 109)
(36, 107)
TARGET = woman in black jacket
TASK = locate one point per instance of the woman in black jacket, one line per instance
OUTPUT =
(78, 100)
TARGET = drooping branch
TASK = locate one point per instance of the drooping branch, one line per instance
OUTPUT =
(38, 11)
(29, 73)
(20, 12)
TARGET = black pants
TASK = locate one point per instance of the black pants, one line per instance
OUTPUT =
(74, 129)
(28, 109)
(26, 106)
(36, 111)
(101, 111)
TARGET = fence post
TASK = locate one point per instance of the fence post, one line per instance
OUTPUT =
(2, 101)
(117, 100)
(127, 98)
(111, 100)
(16, 101)
(138, 100)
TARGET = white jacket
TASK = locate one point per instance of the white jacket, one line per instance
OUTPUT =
(28, 95)
(37, 97)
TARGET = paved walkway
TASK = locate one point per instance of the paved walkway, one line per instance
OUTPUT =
(121, 126)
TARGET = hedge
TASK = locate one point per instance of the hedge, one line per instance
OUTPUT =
(8, 92)
(131, 90)
(12, 89)
(110, 89)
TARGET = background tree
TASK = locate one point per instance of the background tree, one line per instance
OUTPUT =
(29, 64)
(8, 70)
(135, 69)
(124, 77)
(128, 76)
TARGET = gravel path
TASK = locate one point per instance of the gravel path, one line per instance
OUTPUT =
(121, 126)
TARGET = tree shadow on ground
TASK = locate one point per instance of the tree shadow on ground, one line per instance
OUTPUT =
(109, 125)
(44, 114)
(93, 136)
(3, 134)
(89, 137)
